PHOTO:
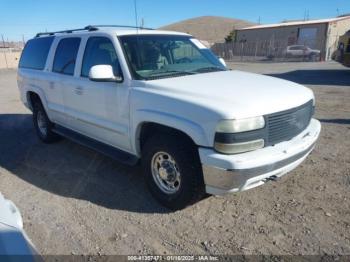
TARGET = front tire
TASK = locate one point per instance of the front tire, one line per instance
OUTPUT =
(313, 57)
(173, 171)
(43, 126)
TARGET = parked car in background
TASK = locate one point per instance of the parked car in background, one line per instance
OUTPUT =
(164, 99)
(302, 51)
(13, 240)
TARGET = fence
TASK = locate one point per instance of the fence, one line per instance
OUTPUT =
(10, 52)
(276, 50)
(9, 58)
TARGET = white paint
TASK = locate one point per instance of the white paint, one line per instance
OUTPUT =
(113, 113)
(101, 72)
(198, 43)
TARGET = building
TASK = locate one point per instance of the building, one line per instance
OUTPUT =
(321, 34)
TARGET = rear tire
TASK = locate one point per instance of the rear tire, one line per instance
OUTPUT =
(173, 171)
(43, 126)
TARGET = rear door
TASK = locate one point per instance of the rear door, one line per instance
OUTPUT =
(62, 76)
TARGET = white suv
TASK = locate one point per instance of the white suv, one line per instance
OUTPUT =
(165, 99)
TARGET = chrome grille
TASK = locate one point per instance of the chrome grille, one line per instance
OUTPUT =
(283, 126)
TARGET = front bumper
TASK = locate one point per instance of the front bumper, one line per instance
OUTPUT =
(235, 173)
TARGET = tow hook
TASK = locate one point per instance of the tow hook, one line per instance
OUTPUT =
(271, 179)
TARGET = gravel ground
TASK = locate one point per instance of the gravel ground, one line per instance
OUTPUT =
(76, 201)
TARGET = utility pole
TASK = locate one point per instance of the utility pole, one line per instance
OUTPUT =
(306, 15)
(3, 42)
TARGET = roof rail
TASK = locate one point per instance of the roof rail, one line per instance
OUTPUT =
(120, 26)
(89, 28)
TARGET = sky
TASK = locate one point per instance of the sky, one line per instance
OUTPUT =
(27, 17)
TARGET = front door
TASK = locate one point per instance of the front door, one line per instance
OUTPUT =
(99, 110)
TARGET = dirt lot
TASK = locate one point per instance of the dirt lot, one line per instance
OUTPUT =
(76, 201)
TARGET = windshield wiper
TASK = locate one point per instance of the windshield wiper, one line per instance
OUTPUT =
(172, 72)
(209, 69)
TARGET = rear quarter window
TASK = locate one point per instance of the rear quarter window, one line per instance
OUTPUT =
(35, 53)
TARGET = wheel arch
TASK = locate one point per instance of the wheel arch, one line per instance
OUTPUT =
(165, 123)
(149, 128)
(33, 95)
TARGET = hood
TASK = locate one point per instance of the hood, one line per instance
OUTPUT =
(235, 94)
(13, 240)
(9, 214)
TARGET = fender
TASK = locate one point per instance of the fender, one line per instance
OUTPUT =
(39, 92)
(142, 116)
(29, 86)
(42, 96)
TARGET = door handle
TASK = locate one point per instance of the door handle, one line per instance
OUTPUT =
(79, 90)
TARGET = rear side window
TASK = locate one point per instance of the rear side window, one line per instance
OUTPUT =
(35, 53)
(66, 55)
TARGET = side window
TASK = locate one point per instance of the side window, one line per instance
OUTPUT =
(66, 55)
(99, 51)
(35, 53)
(182, 52)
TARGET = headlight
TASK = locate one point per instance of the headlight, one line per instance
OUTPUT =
(240, 125)
(236, 148)
(226, 141)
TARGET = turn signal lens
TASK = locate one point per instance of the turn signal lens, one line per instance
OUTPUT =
(239, 147)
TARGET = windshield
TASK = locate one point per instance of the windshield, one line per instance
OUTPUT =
(160, 56)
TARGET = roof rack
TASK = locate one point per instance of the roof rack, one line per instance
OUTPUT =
(87, 28)
(90, 28)
(120, 26)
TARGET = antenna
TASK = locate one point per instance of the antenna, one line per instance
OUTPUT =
(136, 16)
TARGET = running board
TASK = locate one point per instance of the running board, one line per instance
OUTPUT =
(112, 152)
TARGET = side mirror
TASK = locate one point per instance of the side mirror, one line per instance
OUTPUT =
(103, 73)
(222, 61)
